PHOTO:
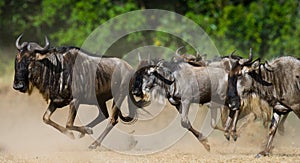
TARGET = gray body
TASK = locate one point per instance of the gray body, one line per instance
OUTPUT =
(183, 84)
(199, 84)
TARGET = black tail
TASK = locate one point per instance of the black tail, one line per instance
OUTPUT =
(132, 117)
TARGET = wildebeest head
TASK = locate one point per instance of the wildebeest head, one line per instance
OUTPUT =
(235, 70)
(157, 75)
(240, 72)
(137, 79)
(148, 77)
(27, 53)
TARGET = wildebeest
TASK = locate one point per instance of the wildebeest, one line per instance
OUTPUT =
(70, 76)
(183, 84)
(277, 82)
(254, 107)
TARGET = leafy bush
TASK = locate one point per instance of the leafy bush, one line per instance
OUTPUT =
(271, 28)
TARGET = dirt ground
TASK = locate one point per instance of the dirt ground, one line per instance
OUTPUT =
(25, 138)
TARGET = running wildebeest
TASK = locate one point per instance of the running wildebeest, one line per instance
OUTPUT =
(70, 76)
(256, 108)
(253, 106)
(277, 82)
(183, 84)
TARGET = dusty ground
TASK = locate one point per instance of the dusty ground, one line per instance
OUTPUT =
(25, 138)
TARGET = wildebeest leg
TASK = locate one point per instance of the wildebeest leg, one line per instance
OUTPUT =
(281, 124)
(228, 124)
(234, 122)
(102, 115)
(110, 125)
(273, 128)
(214, 116)
(70, 123)
(183, 109)
(46, 118)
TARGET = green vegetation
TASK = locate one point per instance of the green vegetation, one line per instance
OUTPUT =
(270, 27)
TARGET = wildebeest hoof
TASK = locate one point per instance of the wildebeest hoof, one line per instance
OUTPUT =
(234, 136)
(227, 136)
(258, 155)
(205, 144)
(93, 146)
(263, 153)
(88, 130)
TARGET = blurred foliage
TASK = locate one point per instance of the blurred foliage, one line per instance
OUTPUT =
(270, 27)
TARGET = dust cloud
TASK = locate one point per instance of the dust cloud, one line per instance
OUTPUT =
(25, 138)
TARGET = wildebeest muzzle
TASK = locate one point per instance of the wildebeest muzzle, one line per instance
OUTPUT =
(233, 100)
(21, 76)
(234, 103)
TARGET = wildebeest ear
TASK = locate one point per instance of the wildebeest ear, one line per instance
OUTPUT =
(227, 65)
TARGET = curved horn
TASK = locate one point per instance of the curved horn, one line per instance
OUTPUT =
(199, 57)
(177, 51)
(18, 42)
(231, 54)
(46, 47)
(34, 47)
(250, 56)
(149, 59)
(139, 55)
(197, 54)
(249, 60)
